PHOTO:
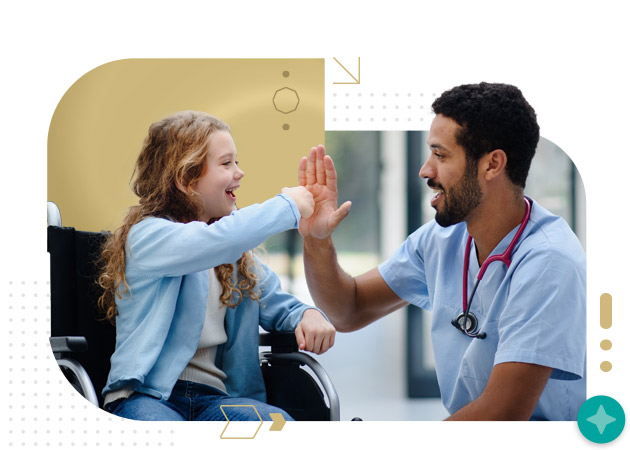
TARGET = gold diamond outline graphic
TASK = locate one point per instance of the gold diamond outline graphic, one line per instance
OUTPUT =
(228, 421)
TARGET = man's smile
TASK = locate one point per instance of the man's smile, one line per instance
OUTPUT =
(437, 189)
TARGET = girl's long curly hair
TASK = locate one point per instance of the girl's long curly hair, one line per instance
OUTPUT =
(173, 154)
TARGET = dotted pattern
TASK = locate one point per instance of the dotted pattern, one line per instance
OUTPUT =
(349, 108)
(42, 409)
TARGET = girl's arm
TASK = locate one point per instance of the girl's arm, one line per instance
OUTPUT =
(161, 248)
(281, 311)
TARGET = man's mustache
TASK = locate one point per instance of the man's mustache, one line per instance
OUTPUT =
(433, 185)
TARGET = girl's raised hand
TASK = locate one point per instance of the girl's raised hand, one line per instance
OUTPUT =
(314, 333)
(302, 198)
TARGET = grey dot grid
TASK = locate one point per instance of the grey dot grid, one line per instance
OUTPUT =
(42, 409)
(347, 108)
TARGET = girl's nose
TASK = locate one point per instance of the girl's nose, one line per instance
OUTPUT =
(239, 173)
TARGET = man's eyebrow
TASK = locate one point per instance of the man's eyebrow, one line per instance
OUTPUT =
(438, 147)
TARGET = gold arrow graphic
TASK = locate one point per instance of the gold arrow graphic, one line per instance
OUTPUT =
(278, 422)
(356, 80)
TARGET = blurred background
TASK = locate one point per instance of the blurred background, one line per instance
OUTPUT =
(386, 370)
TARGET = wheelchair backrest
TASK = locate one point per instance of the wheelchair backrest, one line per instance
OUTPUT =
(74, 292)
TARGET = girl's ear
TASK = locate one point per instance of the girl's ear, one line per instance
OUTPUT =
(181, 187)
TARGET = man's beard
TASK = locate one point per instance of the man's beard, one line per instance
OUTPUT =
(460, 200)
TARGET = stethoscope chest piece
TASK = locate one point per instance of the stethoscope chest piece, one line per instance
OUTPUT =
(470, 327)
(471, 322)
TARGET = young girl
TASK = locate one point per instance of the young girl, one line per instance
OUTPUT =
(185, 290)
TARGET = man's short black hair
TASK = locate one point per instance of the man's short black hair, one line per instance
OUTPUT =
(493, 116)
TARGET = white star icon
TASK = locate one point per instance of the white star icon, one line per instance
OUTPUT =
(601, 419)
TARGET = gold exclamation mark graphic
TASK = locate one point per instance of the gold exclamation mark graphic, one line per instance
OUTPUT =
(605, 321)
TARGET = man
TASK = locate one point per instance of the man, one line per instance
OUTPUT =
(515, 349)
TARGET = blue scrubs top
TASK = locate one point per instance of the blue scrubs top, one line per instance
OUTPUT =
(532, 312)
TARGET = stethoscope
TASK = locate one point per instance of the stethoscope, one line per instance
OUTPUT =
(468, 318)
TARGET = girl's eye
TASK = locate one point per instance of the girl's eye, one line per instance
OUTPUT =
(227, 163)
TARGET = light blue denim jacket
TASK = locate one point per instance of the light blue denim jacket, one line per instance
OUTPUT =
(159, 321)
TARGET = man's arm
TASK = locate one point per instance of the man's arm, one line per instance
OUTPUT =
(512, 393)
(350, 303)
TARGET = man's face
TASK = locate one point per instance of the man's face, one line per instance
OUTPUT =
(450, 174)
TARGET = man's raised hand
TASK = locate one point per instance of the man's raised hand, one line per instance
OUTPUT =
(317, 173)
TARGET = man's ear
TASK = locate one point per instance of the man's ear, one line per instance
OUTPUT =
(493, 164)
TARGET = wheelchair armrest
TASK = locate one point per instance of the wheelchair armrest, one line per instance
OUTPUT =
(62, 347)
(64, 344)
(285, 350)
(323, 377)
(279, 341)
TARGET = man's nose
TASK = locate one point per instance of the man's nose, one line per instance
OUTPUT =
(427, 170)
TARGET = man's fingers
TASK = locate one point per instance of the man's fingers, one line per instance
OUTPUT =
(310, 169)
(339, 214)
(331, 173)
(302, 171)
(320, 172)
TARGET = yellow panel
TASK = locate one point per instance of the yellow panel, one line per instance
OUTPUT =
(98, 127)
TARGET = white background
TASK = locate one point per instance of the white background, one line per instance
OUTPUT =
(570, 59)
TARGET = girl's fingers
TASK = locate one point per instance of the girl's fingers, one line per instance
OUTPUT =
(299, 337)
(317, 344)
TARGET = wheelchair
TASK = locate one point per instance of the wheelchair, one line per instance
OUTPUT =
(83, 342)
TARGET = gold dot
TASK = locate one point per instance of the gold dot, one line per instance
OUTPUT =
(285, 74)
(605, 366)
(605, 344)
(285, 126)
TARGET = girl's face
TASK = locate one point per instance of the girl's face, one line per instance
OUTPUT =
(221, 177)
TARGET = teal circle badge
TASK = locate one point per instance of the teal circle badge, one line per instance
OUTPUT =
(601, 419)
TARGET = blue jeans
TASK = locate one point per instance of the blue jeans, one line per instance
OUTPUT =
(191, 401)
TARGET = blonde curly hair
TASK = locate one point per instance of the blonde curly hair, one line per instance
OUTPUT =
(173, 154)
